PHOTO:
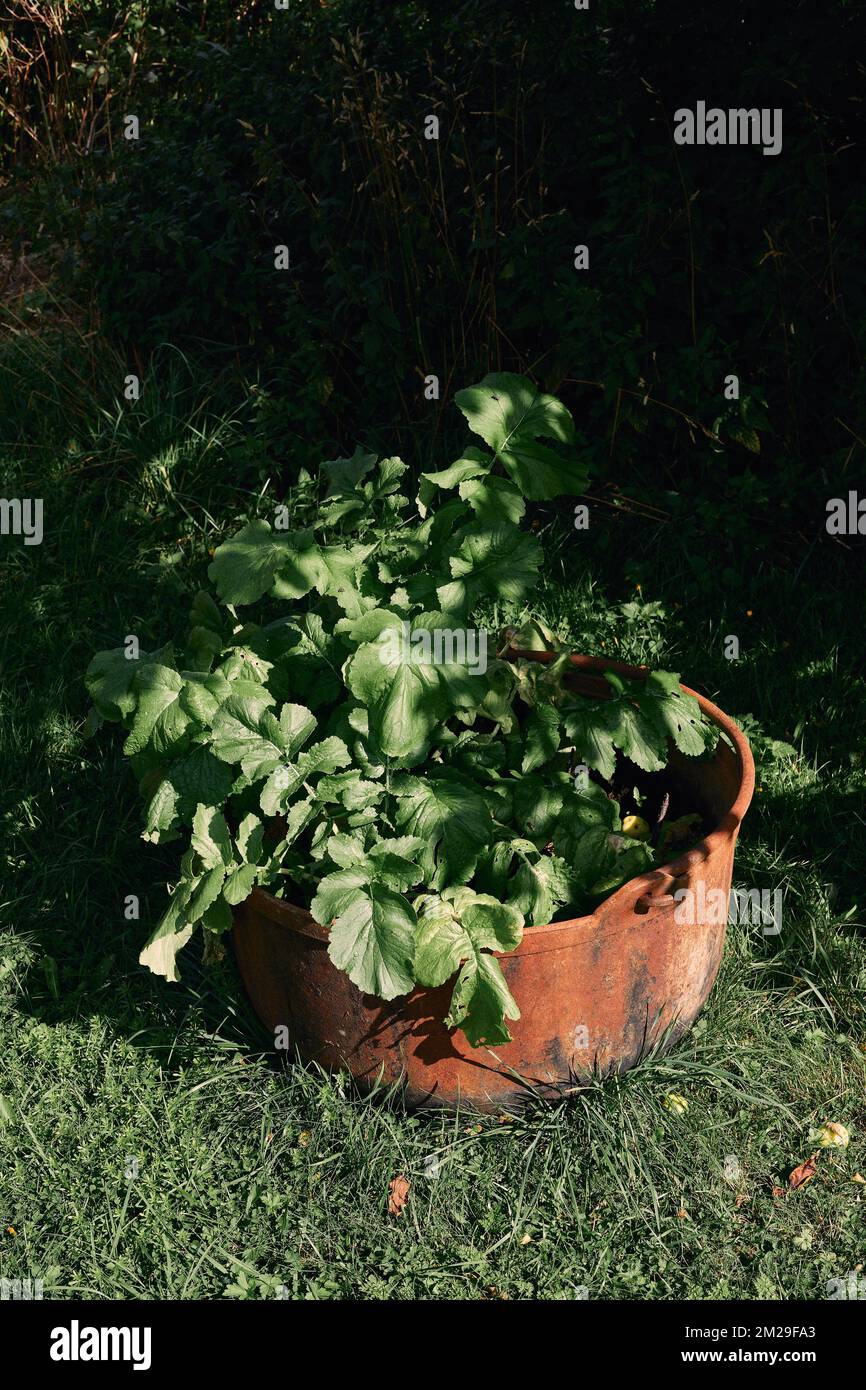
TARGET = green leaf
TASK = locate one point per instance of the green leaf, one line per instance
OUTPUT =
(493, 500)
(351, 789)
(201, 695)
(388, 864)
(159, 720)
(336, 567)
(244, 568)
(311, 664)
(391, 470)
(497, 562)
(638, 734)
(588, 727)
(587, 851)
(204, 612)
(199, 777)
(245, 732)
(629, 859)
(639, 720)
(537, 805)
(581, 811)
(481, 1002)
(286, 779)
(160, 816)
(347, 851)
(542, 737)
(448, 815)
(511, 415)
(372, 932)
(239, 883)
(205, 891)
(217, 919)
(249, 839)
(202, 645)
(346, 474)
(299, 817)
(210, 838)
(401, 689)
(249, 735)
(109, 680)
(677, 715)
(540, 885)
(296, 725)
(454, 933)
(171, 935)
(473, 463)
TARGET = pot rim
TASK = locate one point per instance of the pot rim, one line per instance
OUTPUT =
(544, 937)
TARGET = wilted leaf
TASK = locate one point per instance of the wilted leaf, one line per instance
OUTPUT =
(804, 1172)
(398, 1194)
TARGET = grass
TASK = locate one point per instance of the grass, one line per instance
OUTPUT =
(150, 1144)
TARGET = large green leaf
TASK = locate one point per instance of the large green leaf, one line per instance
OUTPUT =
(372, 931)
(247, 733)
(455, 932)
(109, 679)
(286, 780)
(588, 726)
(473, 463)
(245, 567)
(204, 893)
(497, 562)
(537, 884)
(639, 735)
(493, 500)
(511, 415)
(199, 777)
(541, 732)
(639, 720)
(337, 567)
(210, 838)
(160, 719)
(677, 715)
(401, 689)
(452, 819)
(312, 664)
(482, 1001)
(345, 475)
(171, 935)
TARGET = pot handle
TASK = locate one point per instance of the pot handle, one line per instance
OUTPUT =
(664, 884)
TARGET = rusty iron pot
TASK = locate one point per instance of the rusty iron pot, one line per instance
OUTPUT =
(596, 993)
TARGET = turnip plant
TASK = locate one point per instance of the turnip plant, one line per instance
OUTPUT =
(367, 749)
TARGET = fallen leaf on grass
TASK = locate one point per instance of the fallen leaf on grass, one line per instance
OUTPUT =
(398, 1194)
(858, 1177)
(779, 1191)
(804, 1172)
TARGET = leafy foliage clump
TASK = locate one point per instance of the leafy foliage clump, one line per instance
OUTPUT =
(357, 748)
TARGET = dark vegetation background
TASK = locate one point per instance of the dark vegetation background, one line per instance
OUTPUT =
(409, 257)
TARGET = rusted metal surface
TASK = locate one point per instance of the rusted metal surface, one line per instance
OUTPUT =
(596, 993)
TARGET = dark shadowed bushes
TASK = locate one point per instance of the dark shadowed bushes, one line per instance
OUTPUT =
(411, 257)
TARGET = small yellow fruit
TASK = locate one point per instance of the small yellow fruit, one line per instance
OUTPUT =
(831, 1136)
(675, 1103)
(635, 827)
